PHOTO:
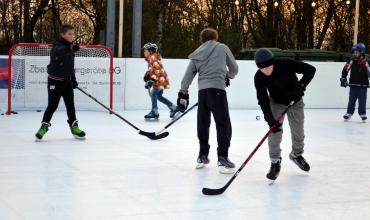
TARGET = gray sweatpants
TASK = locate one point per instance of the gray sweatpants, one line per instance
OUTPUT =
(296, 122)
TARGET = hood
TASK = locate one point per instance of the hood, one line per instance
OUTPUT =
(204, 50)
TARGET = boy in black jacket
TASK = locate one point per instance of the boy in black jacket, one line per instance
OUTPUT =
(277, 86)
(358, 81)
(61, 82)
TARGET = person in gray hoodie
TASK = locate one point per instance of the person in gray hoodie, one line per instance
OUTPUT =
(215, 65)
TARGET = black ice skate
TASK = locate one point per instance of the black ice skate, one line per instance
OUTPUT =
(225, 166)
(347, 117)
(202, 161)
(274, 172)
(300, 162)
(152, 116)
(363, 118)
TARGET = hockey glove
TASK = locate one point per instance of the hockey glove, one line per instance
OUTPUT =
(343, 82)
(183, 101)
(227, 81)
(271, 122)
(149, 84)
(75, 46)
(298, 93)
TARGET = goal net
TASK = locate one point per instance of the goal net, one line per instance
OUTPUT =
(27, 74)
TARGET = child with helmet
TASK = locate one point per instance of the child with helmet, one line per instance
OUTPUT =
(358, 65)
(156, 81)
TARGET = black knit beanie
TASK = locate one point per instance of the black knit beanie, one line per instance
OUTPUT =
(263, 58)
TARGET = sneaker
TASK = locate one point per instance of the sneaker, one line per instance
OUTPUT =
(76, 131)
(42, 131)
(174, 110)
(300, 162)
(225, 165)
(274, 171)
(363, 118)
(347, 117)
(202, 161)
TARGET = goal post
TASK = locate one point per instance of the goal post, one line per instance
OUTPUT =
(27, 75)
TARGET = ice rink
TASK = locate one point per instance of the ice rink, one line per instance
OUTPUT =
(117, 174)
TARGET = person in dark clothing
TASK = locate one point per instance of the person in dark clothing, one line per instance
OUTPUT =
(215, 65)
(358, 81)
(61, 82)
(277, 86)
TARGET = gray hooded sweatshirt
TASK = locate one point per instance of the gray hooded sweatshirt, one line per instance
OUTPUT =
(210, 61)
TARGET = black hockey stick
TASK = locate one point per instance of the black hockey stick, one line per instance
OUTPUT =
(172, 122)
(150, 135)
(208, 191)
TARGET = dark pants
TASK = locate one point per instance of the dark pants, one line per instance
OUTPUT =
(360, 94)
(56, 90)
(214, 101)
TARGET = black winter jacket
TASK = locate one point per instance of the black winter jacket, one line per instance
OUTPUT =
(281, 84)
(62, 61)
(360, 72)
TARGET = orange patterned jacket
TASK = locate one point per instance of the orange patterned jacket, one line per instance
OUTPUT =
(157, 72)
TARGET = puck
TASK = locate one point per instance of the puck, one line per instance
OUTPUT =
(38, 110)
(258, 117)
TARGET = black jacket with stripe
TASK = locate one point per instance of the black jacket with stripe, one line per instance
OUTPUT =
(61, 65)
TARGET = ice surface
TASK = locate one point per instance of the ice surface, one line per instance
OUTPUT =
(118, 174)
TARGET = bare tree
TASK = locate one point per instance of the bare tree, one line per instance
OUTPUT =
(41, 6)
(96, 13)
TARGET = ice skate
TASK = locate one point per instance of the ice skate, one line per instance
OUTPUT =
(274, 171)
(42, 131)
(347, 117)
(76, 131)
(202, 161)
(300, 162)
(152, 116)
(363, 118)
(174, 112)
(225, 166)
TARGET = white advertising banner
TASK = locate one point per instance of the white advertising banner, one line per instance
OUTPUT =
(92, 75)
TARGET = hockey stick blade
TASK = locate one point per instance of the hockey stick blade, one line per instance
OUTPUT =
(153, 135)
(213, 192)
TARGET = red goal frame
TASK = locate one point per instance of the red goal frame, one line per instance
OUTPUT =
(10, 56)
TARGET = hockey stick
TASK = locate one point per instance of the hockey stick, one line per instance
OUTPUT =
(150, 135)
(208, 191)
(172, 122)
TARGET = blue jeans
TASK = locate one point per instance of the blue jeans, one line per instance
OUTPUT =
(359, 93)
(157, 95)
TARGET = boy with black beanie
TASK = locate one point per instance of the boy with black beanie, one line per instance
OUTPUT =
(61, 82)
(277, 86)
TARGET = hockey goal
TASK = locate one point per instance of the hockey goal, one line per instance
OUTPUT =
(27, 76)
